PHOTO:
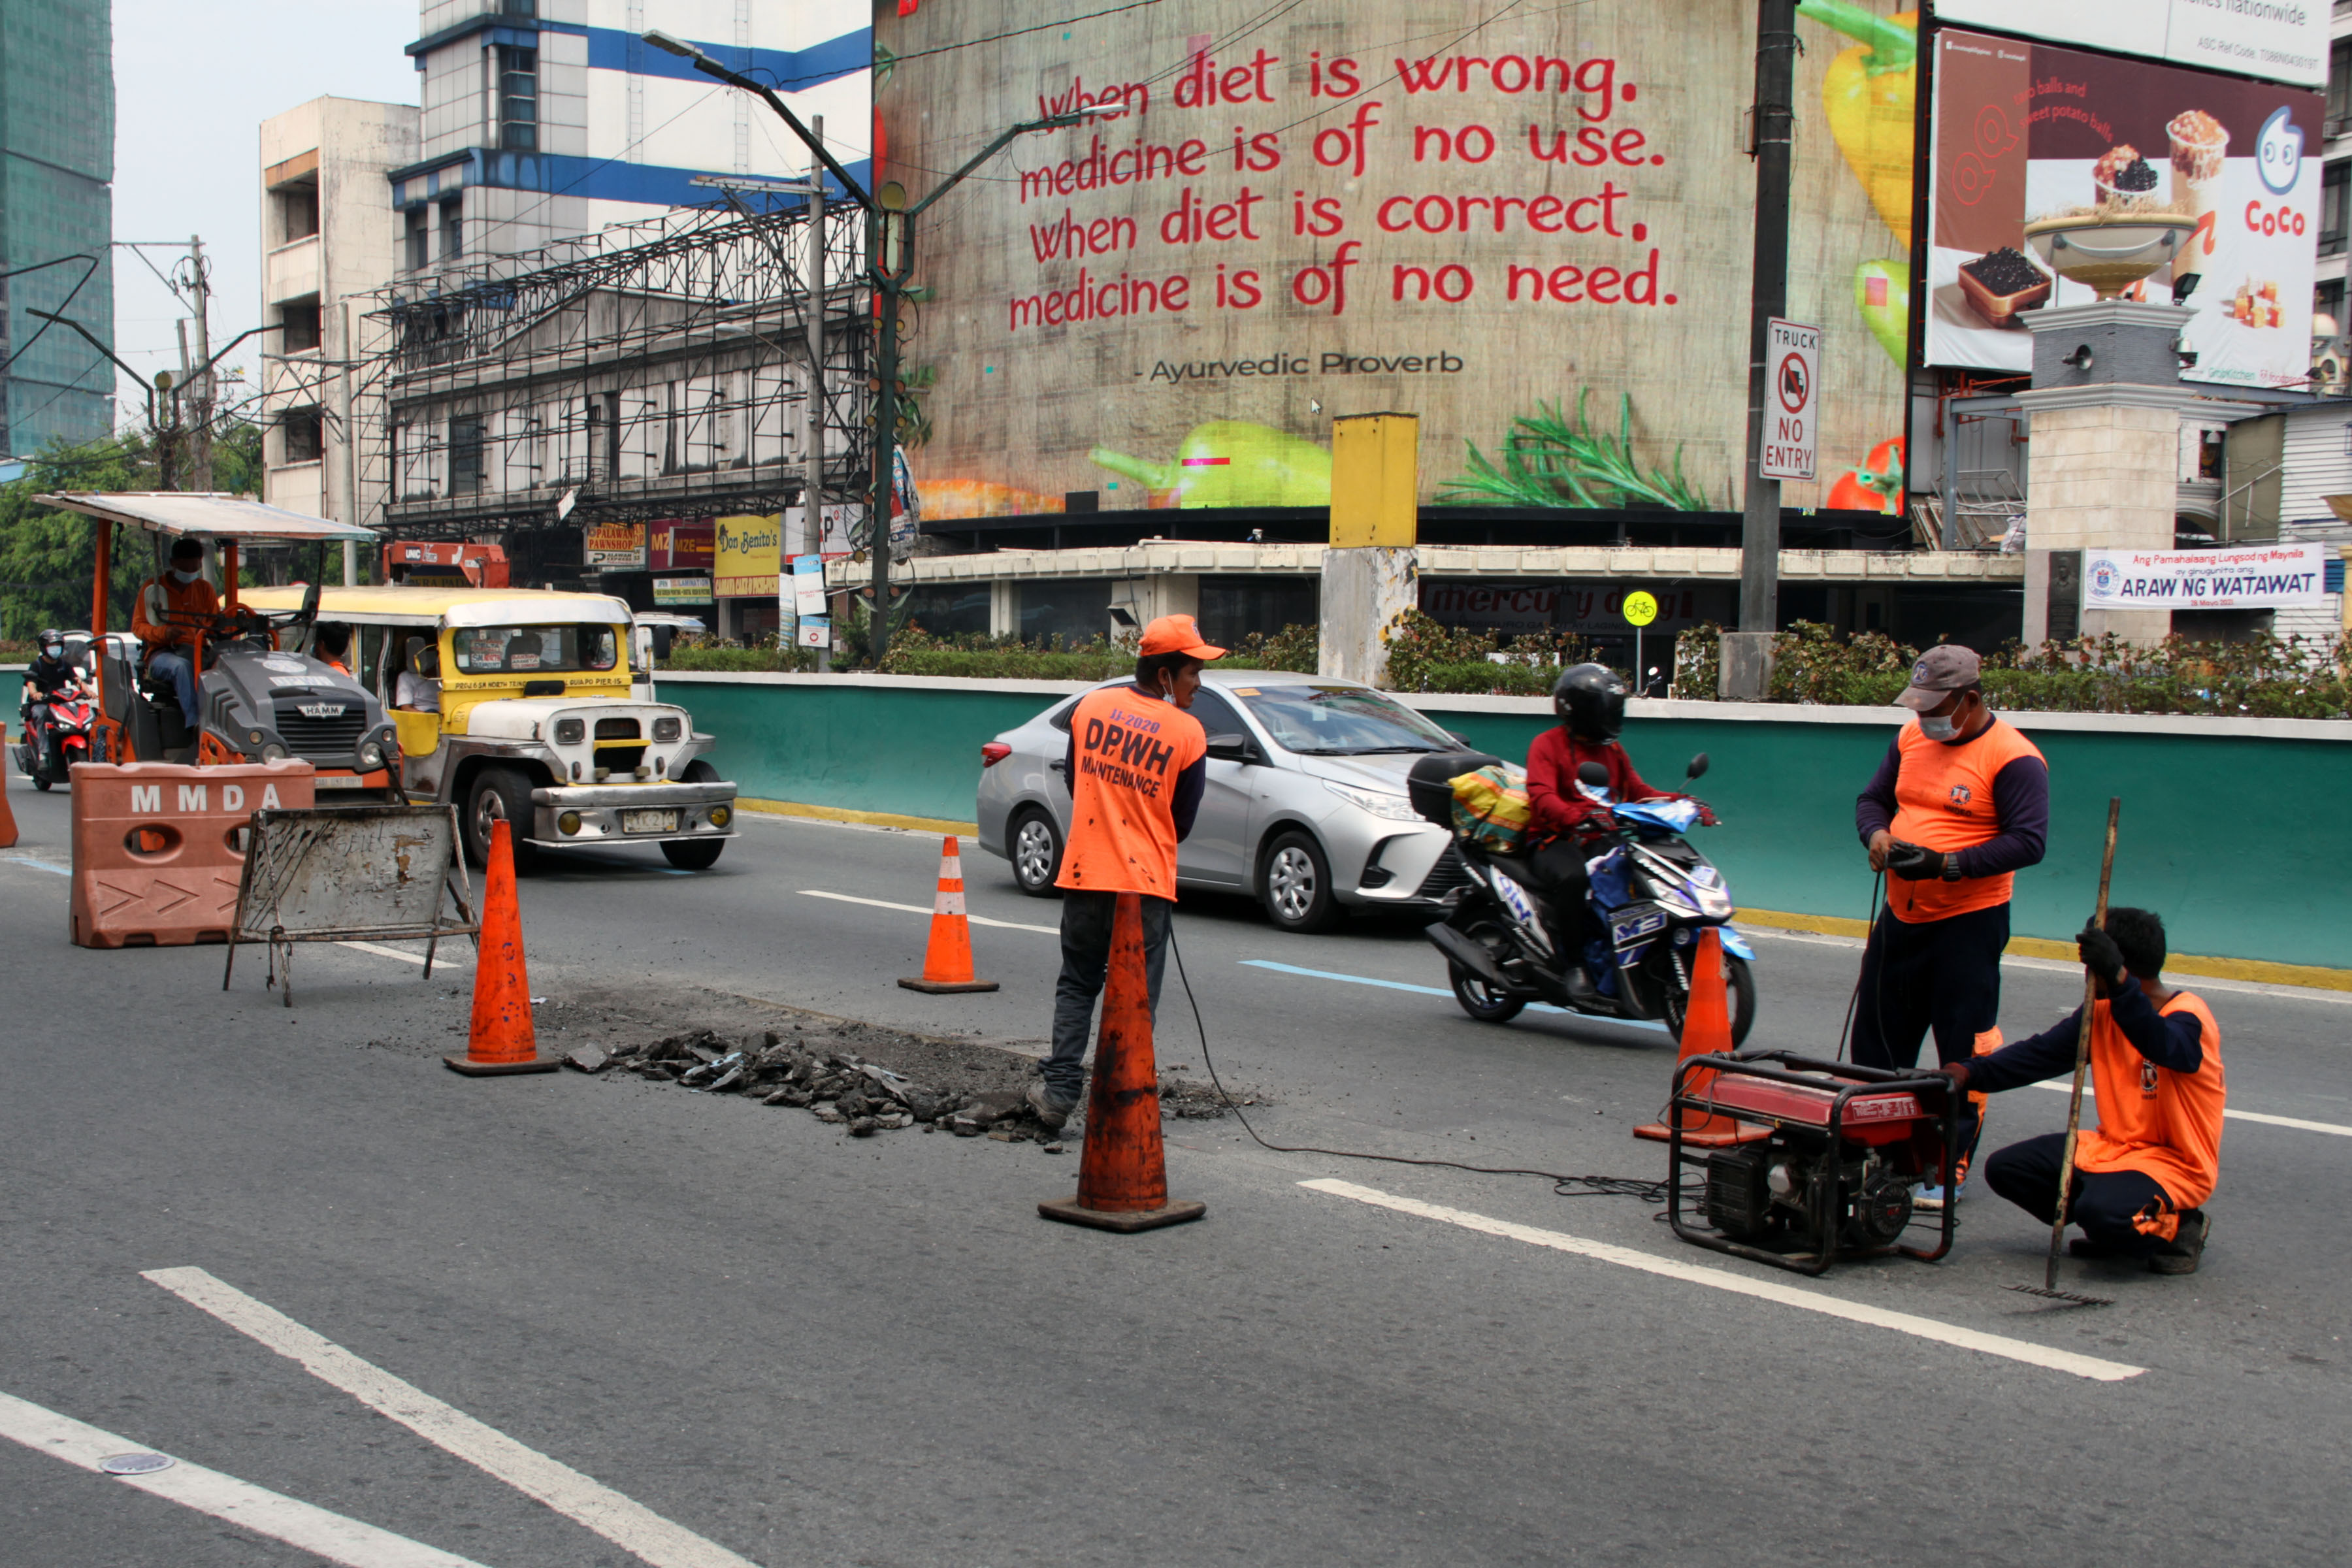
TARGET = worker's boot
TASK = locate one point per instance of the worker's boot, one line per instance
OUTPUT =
(1051, 1111)
(2183, 1254)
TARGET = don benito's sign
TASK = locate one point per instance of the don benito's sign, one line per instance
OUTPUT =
(2259, 577)
(1793, 359)
(750, 549)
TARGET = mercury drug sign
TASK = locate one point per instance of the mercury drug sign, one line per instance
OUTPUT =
(1793, 357)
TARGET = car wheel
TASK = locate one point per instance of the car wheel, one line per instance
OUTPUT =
(1295, 885)
(498, 793)
(692, 854)
(1036, 846)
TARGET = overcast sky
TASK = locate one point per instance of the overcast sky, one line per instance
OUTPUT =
(192, 82)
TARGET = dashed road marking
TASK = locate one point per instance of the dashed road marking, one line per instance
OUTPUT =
(622, 1521)
(1740, 1284)
(241, 1503)
(2298, 1123)
(926, 911)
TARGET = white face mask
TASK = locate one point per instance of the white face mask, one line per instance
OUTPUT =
(186, 576)
(1943, 727)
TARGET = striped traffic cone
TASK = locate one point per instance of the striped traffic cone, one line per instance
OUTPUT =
(947, 963)
(501, 1039)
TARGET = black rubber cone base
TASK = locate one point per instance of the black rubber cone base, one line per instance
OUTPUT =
(500, 1070)
(1176, 1212)
(946, 987)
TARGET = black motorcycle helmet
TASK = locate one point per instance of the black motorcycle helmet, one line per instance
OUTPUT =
(1591, 700)
(51, 642)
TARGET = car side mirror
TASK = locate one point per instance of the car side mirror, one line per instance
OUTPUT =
(1230, 747)
(1697, 767)
(1462, 740)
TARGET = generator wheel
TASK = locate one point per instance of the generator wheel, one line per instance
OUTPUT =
(1739, 988)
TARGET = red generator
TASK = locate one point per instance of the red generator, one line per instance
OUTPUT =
(1831, 1152)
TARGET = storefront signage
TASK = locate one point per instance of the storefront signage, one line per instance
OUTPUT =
(749, 550)
(619, 546)
(694, 590)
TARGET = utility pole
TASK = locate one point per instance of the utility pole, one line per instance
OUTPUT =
(202, 393)
(1747, 670)
(812, 487)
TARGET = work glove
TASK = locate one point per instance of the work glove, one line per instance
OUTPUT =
(2101, 956)
(1707, 817)
(1913, 862)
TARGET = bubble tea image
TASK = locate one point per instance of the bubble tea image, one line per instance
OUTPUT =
(2200, 144)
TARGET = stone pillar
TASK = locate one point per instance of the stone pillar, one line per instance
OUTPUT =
(1370, 573)
(2103, 470)
(1366, 592)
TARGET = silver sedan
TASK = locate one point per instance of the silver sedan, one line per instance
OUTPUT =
(1306, 806)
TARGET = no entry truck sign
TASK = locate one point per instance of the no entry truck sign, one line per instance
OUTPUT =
(1792, 356)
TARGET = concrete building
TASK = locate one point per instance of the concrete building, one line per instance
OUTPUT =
(546, 119)
(57, 204)
(327, 239)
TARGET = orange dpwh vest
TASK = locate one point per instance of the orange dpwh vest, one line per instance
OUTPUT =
(2166, 1125)
(1130, 748)
(1943, 799)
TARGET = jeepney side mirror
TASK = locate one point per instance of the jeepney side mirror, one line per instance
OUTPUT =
(309, 611)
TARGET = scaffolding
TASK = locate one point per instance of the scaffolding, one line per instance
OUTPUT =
(654, 370)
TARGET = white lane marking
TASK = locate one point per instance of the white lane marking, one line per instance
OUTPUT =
(452, 952)
(2268, 1121)
(926, 910)
(626, 1523)
(1436, 991)
(2056, 966)
(1764, 1289)
(241, 1503)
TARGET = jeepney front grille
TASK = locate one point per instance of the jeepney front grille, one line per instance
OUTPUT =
(329, 738)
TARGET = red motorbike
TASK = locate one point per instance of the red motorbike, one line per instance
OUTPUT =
(57, 735)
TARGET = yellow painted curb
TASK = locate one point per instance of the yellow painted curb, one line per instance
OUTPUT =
(2252, 969)
(871, 818)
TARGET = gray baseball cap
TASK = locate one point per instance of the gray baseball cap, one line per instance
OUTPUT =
(1941, 670)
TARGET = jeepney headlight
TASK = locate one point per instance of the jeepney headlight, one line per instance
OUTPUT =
(667, 728)
(571, 732)
(569, 822)
(721, 816)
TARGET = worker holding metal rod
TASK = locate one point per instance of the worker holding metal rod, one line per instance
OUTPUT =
(2143, 1175)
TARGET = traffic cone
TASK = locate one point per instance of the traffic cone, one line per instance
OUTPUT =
(501, 1040)
(7, 816)
(947, 963)
(1707, 1032)
(1123, 1173)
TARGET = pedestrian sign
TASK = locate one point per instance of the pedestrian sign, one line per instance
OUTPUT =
(1641, 609)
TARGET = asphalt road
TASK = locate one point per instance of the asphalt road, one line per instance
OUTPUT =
(809, 1350)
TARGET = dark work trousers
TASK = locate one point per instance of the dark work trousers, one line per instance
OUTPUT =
(1943, 976)
(2104, 1203)
(1085, 961)
(1559, 866)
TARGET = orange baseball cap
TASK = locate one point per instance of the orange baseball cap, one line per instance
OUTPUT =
(1177, 633)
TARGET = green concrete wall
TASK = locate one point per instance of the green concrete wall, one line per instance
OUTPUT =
(2238, 841)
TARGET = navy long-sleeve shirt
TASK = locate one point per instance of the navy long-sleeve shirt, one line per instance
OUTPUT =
(1184, 805)
(2021, 797)
(2169, 1040)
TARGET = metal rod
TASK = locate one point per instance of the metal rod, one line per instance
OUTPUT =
(2082, 1057)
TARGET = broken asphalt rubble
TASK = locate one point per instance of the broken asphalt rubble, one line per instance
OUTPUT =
(813, 1070)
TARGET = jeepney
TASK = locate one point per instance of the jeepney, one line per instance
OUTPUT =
(536, 720)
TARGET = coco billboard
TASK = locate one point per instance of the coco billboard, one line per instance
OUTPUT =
(1535, 234)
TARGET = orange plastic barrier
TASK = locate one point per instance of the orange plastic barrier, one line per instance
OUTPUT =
(501, 1040)
(7, 815)
(947, 962)
(1123, 1173)
(1707, 1032)
(158, 849)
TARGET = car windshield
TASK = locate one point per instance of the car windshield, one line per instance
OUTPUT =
(1339, 720)
(533, 651)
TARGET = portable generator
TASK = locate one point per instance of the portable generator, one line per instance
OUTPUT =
(1828, 1156)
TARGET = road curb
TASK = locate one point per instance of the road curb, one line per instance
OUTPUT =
(869, 818)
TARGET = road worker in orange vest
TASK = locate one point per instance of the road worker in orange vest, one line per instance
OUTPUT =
(1137, 766)
(1959, 805)
(2143, 1175)
(169, 616)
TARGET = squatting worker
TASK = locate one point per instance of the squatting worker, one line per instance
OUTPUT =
(169, 617)
(1959, 805)
(1137, 764)
(2143, 1175)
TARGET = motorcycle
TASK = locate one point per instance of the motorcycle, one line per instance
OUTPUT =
(1651, 892)
(57, 735)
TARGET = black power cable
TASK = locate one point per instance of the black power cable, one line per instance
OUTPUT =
(1563, 1186)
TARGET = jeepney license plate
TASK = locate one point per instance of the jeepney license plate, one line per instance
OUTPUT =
(649, 822)
(337, 781)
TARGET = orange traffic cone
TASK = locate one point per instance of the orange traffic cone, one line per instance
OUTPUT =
(1707, 1032)
(1123, 1174)
(501, 1039)
(7, 816)
(947, 963)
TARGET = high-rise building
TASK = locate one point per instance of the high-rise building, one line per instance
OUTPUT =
(328, 237)
(544, 119)
(57, 143)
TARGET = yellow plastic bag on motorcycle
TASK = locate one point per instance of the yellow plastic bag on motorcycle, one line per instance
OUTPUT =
(1490, 809)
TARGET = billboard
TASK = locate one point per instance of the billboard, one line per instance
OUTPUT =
(749, 552)
(2022, 130)
(2281, 41)
(1534, 233)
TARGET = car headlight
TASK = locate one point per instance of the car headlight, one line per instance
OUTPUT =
(1388, 808)
(571, 732)
(667, 728)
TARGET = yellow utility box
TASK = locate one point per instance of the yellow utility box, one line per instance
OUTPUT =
(1375, 481)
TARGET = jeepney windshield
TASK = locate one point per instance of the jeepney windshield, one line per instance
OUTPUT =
(534, 650)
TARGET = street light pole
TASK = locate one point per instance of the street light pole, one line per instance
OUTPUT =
(889, 252)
